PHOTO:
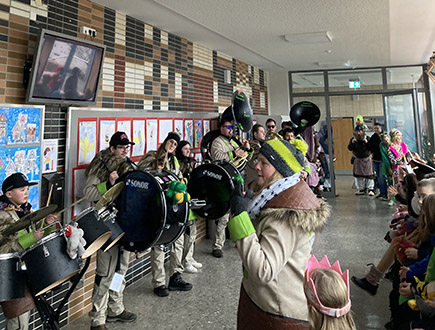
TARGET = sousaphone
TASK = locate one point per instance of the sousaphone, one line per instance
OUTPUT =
(303, 115)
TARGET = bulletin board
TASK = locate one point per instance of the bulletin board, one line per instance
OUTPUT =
(20, 144)
(90, 129)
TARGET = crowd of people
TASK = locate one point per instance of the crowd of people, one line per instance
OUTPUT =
(273, 226)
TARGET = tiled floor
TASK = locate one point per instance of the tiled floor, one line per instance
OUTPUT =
(354, 235)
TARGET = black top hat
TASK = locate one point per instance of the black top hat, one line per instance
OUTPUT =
(16, 180)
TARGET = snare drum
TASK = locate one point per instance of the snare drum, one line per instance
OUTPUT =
(213, 182)
(147, 217)
(12, 278)
(96, 233)
(48, 263)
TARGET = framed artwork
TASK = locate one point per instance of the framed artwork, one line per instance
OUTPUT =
(106, 129)
(23, 125)
(124, 125)
(205, 126)
(197, 132)
(87, 140)
(188, 131)
(165, 126)
(138, 138)
(49, 152)
(178, 128)
(151, 134)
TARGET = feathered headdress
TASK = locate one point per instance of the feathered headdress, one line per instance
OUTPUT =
(310, 287)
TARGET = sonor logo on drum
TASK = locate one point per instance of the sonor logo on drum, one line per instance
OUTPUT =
(212, 175)
(137, 184)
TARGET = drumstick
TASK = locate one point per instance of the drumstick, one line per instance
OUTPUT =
(48, 203)
(68, 207)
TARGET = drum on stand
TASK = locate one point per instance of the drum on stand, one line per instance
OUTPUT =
(213, 182)
(108, 214)
(48, 263)
(96, 232)
(12, 278)
(147, 217)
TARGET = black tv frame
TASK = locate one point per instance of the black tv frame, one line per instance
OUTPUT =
(32, 83)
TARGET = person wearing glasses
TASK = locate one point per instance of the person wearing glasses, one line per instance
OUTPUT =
(271, 129)
(106, 167)
(225, 148)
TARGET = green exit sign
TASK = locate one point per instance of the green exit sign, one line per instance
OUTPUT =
(354, 84)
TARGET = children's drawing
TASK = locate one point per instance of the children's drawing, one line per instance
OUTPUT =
(138, 138)
(3, 126)
(124, 126)
(20, 159)
(87, 141)
(206, 126)
(197, 131)
(49, 154)
(188, 131)
(23, 125)
(178, 128)
(151, 134)
(165, 126)
(107, 129)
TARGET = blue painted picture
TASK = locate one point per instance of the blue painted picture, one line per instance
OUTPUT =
(20, 159)
(23, 125)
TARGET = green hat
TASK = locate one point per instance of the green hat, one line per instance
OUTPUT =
(283, 156)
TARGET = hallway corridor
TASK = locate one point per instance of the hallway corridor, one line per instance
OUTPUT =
(354, 235)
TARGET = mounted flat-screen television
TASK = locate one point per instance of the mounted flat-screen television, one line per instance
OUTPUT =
(66, 70)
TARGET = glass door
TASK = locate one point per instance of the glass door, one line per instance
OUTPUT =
(401, 113)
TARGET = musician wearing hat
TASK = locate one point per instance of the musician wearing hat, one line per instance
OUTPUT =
(14, 206)
(273, 233)
(224, 147)
(258, 138)
(106, 167)
(164, 158)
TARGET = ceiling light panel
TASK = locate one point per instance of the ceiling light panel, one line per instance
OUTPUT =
(309, 38)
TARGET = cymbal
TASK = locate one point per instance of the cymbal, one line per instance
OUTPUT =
(110, 195)
(30, 218)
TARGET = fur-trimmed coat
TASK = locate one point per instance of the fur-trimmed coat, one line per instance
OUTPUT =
(274, 257)
(152, 161)
(99, 170)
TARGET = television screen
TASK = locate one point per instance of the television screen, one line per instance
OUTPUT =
(65, 70)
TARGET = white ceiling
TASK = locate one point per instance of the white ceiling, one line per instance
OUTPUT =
(365, 32)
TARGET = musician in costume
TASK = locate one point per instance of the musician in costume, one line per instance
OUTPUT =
(258, 138)
(225, 147)
(272, 233)
(106, 167)
(14, 206)
(165, 158)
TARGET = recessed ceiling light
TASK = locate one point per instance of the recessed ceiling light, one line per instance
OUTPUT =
(328, 51)
(309, 38)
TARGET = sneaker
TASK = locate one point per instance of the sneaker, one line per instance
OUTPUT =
(217, 253)
(384, 198)
(99, 327)
(161, 291)
(391, 203)
(360, 192)
(371, 193)
(362, 283)
(190, 269)
(176, 283)
(125, 317)
(196, 264)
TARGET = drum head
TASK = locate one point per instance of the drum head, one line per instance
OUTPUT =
(140, 210)
(213, 183)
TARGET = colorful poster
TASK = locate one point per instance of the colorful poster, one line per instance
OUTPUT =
(87, 141)
(20, 159)
(138, 138)
(49, 152)
(178, 128)
(23, 125)
(151, 135)
(206, 126)
(79, 181)
(3, 125)
(165, 126)
(188, 130)
(197, 131)
(107, 129)
(33, 198)
(124, 126)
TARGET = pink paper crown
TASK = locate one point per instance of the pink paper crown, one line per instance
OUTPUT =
(312, 296)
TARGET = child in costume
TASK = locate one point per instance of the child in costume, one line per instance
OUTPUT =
(13, 206)
(328, 296)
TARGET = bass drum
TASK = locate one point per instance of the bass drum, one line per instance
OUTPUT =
(147, 217)
(12, 278)
(213, 182)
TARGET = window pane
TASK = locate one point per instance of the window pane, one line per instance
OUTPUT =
(308, 82)
(369, 79)
(404, 78)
